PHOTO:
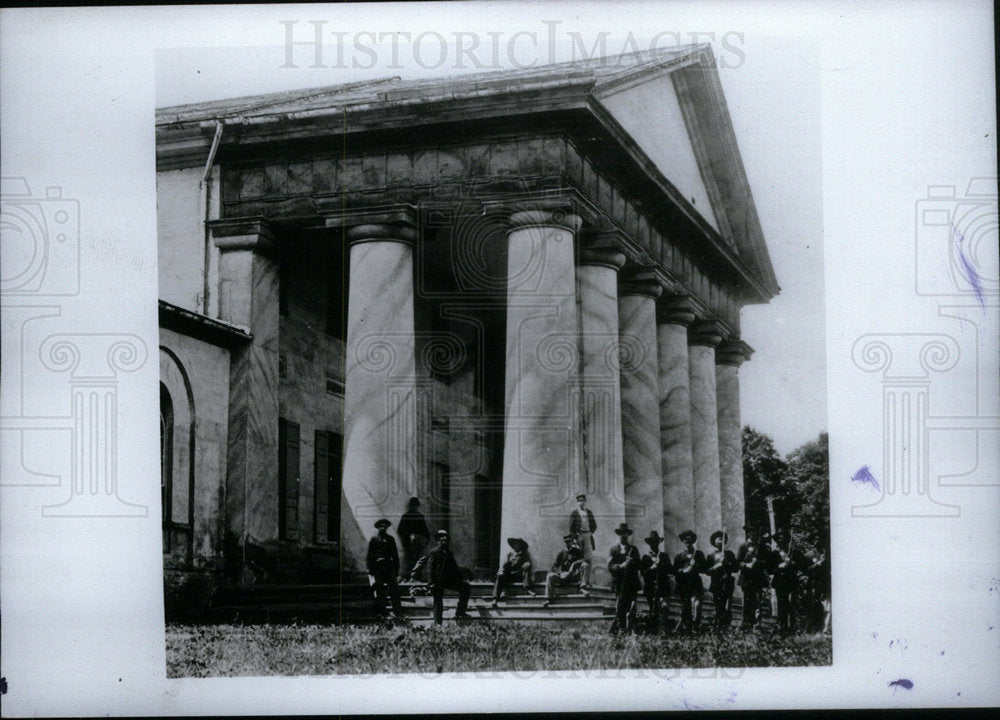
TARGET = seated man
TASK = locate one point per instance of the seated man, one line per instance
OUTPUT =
(569, 567)
(516, 567)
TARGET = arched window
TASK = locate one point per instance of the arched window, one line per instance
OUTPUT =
(166, 453)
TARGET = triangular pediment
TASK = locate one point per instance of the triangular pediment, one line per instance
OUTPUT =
(674, 109)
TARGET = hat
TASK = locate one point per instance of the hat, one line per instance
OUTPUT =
(581, 496)
(623, 529)
(440, 534)
(382, 523)
(654, 538)
(569, 536)
(514, 542)
(413, 501)
(718, 534)
(688, 534)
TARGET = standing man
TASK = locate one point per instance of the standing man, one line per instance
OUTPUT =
(569, 567)
(785, 564)
(414, 535)
(623, 564)
(720, 565)
(582, 527)
(443, 573)
(517, 567)
(688, 566)
(753, 579)
(383, 568)
(656, 571)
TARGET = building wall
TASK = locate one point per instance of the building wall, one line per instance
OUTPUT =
(200, 371)
(181, 239)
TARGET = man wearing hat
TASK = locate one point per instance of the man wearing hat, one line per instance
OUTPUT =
(582, 527)
(383, 568)
(751, 561)
(786, 561)
(568, 568)
(688, 566)
(623, 564)
(443, 573)
(656, 570)
(720, 566)
(517, 567)
(413, 535)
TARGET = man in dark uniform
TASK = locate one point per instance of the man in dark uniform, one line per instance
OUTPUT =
(720, 566)
(582, 527)
(443, 573)
(786, 561)
(413, 535)
(656, 570)
(516, 568)
(753, 578)
(688, 566)
(569, 567)
(383, 568)
(623, 564)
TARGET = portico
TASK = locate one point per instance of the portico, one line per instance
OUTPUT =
(495, 296)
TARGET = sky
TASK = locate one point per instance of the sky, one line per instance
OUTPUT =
(772, 89)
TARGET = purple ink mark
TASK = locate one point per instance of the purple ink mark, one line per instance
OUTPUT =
(865, 477)
(967, 270)
(903, 683)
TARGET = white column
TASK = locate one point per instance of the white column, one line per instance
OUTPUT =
(601, 431)
(674, 316)
(541, 466)
(728, 358)
(640, 402)
(704, 338)
(379, 471)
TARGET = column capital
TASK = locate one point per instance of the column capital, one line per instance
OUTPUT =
(640, 281)
(537, 212)
(246, 233)
(676, 310)
(733, 352)
(706, 332)
(389, 223)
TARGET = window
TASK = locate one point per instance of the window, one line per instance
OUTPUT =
(166, 459)
(334, 385)
(288, 480)
(329, 466)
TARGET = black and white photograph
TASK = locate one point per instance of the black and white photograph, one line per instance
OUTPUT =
(456, 357)
(470, 346)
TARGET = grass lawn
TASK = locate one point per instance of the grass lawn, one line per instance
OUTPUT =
(233, 650)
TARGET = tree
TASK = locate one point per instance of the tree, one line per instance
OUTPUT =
(808, 475)
(763, 475)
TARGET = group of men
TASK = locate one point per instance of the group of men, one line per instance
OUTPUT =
(760, 565)
(443, 572)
